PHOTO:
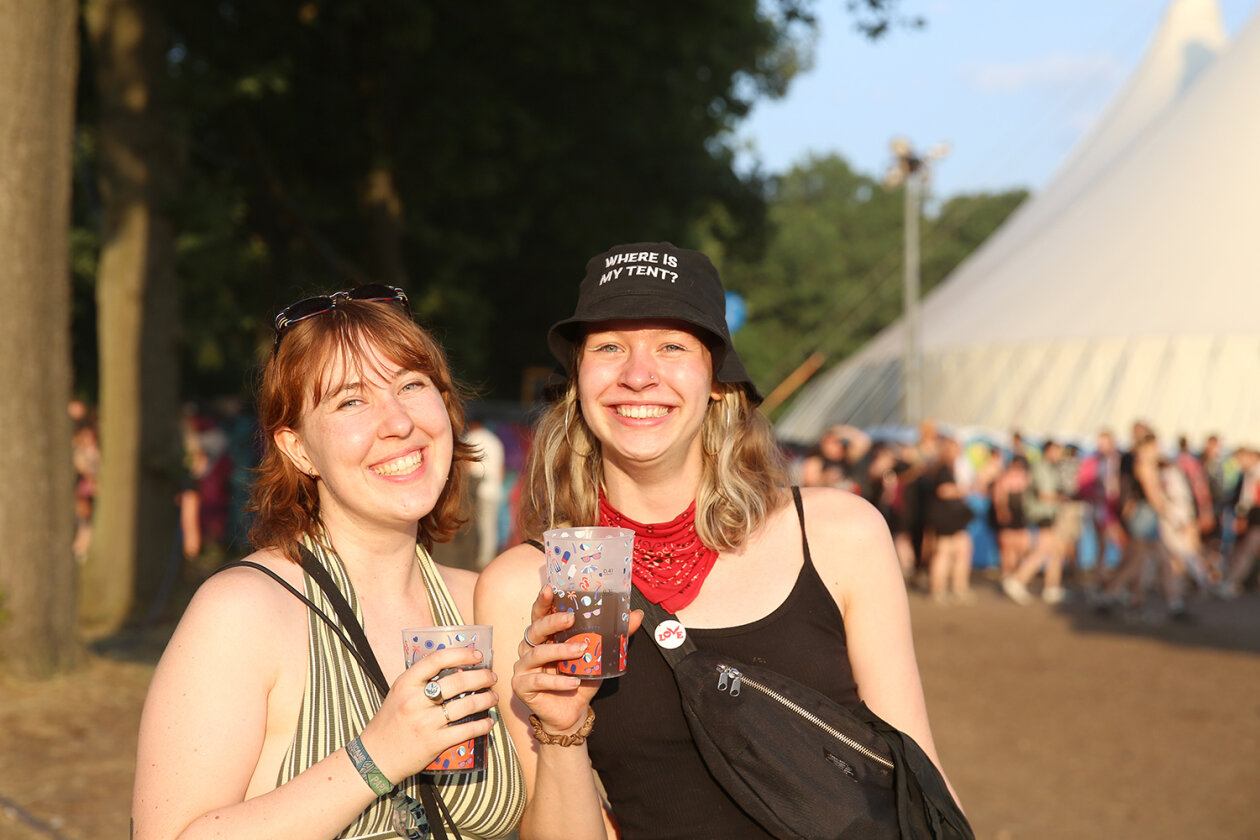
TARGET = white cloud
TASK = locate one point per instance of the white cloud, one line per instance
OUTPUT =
(1055, 70)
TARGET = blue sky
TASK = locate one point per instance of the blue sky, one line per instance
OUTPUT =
(1010, 85)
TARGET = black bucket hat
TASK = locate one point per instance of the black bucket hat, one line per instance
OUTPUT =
(648, 280)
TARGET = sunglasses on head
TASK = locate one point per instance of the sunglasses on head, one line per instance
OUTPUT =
(318, 305)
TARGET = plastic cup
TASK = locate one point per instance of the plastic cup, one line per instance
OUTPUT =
(589, 571)
(419, 642)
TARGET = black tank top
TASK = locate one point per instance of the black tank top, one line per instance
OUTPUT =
(656, 781)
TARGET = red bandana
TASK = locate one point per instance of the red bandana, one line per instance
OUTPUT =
(670, 562)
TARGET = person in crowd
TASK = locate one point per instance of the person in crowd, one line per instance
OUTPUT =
(1196, 478)
(259, 722)
(877, 483)
(1041, 503)
(986, 464)
(882, 483)
(1006, 514)
(1246, 501)
(1212, 457)
(1144, 503)
(907, 523)
(1068, 522)
(985, 470)
(947, 516)
(837, 460)
(1019, 447)
(488, 475)
(1098, 486)
(656, 429)
(86, 455)
(1179, 528)
(205, 501)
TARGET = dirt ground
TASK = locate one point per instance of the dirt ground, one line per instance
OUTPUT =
(1052, 723)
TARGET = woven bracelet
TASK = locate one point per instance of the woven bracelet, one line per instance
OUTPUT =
(367, 768)
(570, 740)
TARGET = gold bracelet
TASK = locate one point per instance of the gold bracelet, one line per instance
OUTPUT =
(570, 740)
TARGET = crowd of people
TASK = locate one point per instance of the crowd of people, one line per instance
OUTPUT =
(1117, 525)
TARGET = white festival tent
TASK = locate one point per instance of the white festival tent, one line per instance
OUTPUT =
(1129, 288)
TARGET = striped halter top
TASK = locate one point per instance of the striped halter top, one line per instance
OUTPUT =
(339, 700)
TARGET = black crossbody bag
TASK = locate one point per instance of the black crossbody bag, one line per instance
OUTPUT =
(800, 764)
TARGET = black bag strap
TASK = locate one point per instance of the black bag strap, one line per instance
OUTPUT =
(349, 620)
(336, 628)
(654, 614)
(361, 650)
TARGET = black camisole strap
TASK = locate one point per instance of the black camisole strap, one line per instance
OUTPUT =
(800, 514)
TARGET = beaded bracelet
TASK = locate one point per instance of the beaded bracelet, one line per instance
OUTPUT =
(367, 768)
(570, 740)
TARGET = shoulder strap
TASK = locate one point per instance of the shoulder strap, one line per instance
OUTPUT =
(311, 605)
(800, 514)
(653, 615)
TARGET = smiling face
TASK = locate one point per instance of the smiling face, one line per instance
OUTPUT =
(644, 387)
(379, 437)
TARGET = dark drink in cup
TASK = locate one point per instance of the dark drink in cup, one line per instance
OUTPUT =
(601, 618)
(419, 642)
(467, 757)
(589, 572)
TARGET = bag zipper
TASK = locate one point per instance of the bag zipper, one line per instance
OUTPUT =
(733, 678)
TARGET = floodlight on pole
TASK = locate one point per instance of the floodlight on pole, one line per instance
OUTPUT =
(912, 170)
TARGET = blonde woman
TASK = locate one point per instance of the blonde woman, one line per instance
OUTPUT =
(657, 430)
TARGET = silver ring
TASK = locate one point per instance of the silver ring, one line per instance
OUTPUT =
(445, 713)
(527, 641)
(433, 690)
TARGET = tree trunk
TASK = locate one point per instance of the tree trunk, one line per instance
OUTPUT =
(135, 520)
(38, 61)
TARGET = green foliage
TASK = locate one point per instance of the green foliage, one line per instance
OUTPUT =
(831, 274)
(519, 138)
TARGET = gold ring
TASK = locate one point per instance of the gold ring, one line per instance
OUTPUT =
(445, 713)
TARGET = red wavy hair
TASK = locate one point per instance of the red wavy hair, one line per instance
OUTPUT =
(285, 499)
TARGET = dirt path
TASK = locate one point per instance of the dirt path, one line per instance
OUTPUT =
(1053, 723)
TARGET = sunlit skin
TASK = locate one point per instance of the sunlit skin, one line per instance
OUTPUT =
(644, 387)
(381, 445)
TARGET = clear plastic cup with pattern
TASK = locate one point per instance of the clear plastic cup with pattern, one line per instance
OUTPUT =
(418, 642)
(589, 571)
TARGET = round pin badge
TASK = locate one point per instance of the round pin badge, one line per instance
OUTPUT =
(670, 634)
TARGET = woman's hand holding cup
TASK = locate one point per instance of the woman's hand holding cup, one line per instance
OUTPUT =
(558, 700)
(411, 730)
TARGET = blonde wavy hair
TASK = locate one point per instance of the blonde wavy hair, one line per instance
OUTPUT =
(744, 480)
